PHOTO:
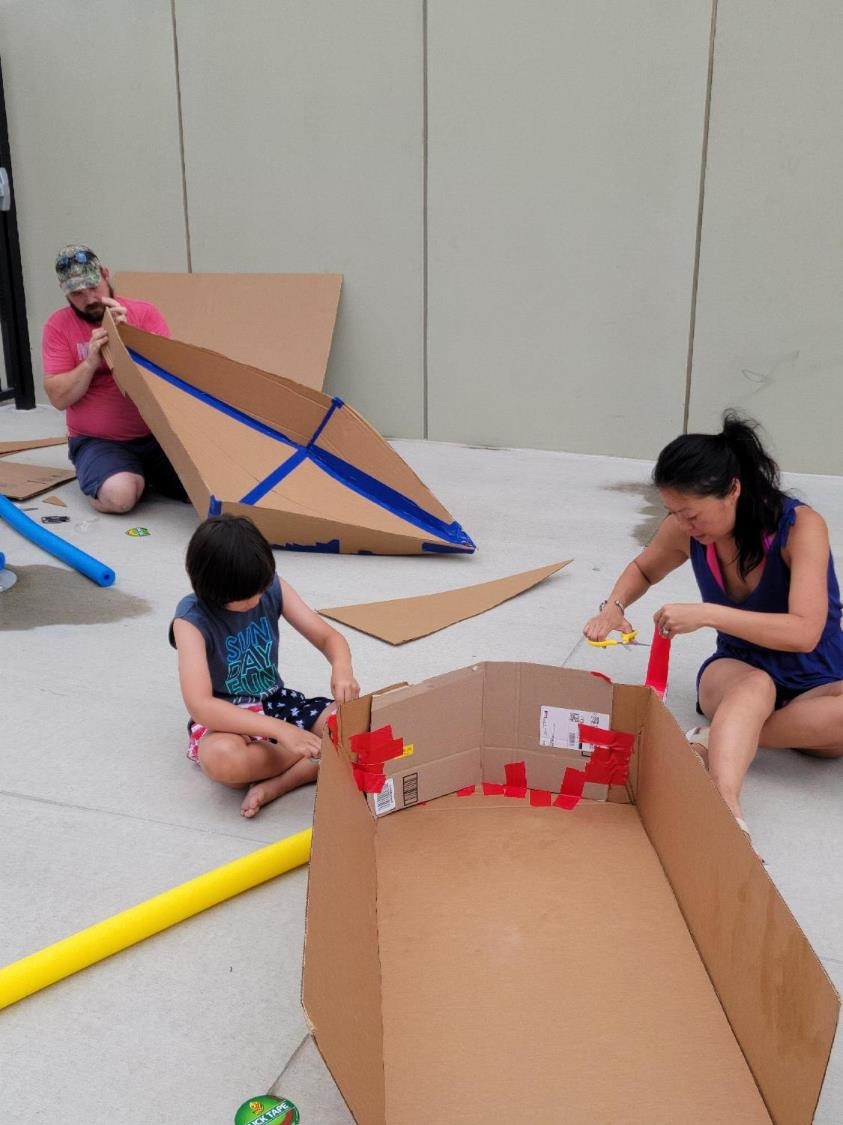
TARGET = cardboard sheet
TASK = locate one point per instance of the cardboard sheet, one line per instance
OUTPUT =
(282, 323)
(307, 469)
(22, 482)
(22, 444)
(406, 619)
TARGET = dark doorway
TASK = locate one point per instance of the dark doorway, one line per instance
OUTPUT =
(15, 360)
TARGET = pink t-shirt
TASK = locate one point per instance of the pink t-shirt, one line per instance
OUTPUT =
(103, 411)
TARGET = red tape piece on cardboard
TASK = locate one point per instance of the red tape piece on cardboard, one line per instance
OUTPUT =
(331, 724)
(609, 763)
(369, 782)
(467, 791)
(375, 747)
(564, 801)
(492, 789)
(540, 798)
(516, 779)
(602, 676)
(658, 664)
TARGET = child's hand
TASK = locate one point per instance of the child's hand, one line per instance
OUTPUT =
(344, 687)
(302, 742)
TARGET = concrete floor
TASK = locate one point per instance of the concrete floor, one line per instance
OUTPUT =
(100, 809)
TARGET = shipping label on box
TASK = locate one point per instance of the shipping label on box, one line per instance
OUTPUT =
(559, 726)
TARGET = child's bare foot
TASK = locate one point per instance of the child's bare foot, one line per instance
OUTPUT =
(262, 792)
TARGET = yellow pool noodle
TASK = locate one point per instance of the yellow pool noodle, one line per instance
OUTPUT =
(68, 956)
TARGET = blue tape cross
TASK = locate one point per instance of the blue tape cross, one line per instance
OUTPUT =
(342, 471)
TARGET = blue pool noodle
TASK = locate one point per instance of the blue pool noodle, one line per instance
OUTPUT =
(2, 561)
(54, 545)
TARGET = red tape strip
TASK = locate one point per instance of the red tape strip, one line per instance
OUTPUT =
(516, 779)
(375, 747)
(491, 789)
(369, 782)
(467, 791)
(331, 724)
(658, 664)
(540, 798)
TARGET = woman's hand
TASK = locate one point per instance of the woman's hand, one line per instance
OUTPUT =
(606, 621)
(681, 617)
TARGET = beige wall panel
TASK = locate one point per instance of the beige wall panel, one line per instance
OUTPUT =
(769, 332)
(303, 144)
(93, 127)
(564, 161)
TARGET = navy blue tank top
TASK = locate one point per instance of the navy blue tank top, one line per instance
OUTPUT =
(795, 672)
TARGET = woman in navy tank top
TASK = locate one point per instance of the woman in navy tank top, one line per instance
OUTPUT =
(763, 565)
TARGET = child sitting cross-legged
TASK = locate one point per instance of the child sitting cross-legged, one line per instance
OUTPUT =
(247, 728)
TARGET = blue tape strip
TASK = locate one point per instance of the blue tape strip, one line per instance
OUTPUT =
(362, 483)
(211, 400)
(389, 499)
(214, 507)
(264, 486)
(336, 403)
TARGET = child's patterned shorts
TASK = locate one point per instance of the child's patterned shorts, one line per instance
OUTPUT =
(285, 703)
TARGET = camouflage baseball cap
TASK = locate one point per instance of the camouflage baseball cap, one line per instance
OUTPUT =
(77, 267)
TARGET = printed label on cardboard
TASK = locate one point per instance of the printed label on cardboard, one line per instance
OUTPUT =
(385, 800)
(410, 788)
(559, 726)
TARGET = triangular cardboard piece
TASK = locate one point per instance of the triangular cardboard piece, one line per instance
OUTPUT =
(281, 323)
(307, 469)
(59, 503)
(406, 619)
(22, 482)
(22, 444)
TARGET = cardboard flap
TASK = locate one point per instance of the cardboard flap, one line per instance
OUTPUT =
(341, 986)
(405, 619)
(281, 323)
(22, 482)
(252, 441)
(774, 990)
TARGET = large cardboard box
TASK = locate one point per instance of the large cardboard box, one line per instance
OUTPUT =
(515, 917)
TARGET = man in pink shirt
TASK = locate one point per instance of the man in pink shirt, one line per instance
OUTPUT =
(114, 453)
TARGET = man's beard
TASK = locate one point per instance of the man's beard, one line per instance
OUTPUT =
(93, 314)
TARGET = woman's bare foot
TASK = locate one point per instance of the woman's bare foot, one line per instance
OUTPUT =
(262, 792)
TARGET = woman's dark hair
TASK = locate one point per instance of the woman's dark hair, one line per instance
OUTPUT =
(228, 560)
(706, 465)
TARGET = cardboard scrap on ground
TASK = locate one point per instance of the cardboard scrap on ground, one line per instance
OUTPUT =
(22, 482)
(307, 469)
(59, 503)
(406, 619)
(22, 444)
(282, 323)
(510, 954)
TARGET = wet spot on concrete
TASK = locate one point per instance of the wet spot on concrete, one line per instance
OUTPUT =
(49, 595)
(652, 510)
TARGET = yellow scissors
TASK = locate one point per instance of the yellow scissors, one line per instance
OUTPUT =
(624, 639)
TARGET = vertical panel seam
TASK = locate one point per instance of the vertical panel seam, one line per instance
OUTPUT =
(181, 138)
(425, 384)
(700, 205)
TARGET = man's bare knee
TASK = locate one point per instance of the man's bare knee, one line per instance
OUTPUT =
(119, 493)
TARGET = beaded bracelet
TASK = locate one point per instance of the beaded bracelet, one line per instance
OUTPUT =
(614, 602)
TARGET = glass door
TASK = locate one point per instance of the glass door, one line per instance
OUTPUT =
(15, 361)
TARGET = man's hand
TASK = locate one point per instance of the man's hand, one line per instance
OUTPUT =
(344, 687)
(302, 742)
(99, 336)
(119, 314)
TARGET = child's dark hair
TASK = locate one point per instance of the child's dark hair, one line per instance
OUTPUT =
(228, 560)
(707, 464)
